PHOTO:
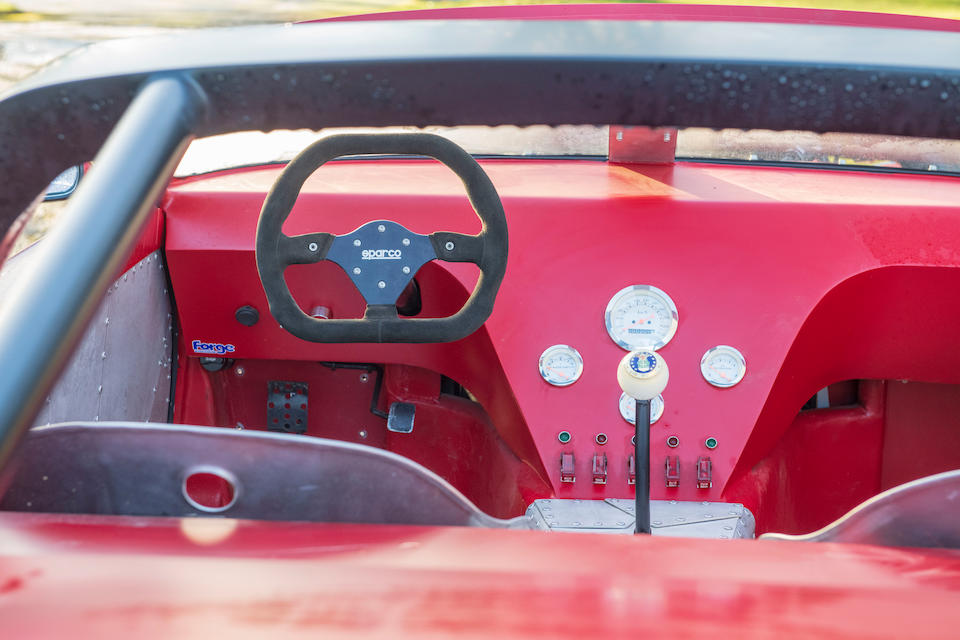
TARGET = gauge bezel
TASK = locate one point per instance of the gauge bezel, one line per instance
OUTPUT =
(653, 416)
(648, 288)
(721, 349)
(560, 347)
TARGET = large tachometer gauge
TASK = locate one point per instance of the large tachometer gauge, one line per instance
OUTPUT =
(641, 317)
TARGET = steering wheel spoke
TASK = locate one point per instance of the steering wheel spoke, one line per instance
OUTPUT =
(304, 249)
(457, 247)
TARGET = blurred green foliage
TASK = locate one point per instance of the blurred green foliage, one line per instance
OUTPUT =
(933, 8)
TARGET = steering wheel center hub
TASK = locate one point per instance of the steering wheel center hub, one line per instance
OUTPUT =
(381, 258)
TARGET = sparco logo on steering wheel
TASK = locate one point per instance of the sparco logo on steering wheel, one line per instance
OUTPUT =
(380, 254)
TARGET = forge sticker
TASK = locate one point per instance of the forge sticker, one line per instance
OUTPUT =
(211, 348)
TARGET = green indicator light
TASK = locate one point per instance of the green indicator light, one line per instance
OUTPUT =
(711, 443)
(564, 437)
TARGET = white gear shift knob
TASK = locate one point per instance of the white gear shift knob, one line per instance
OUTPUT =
(643, 374)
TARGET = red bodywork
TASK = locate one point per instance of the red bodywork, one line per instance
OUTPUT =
(795, 267)
(121, 577)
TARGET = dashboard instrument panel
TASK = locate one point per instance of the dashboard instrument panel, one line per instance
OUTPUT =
(779, 317)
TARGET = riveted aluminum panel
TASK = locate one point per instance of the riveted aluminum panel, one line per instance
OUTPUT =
(686, 519)
(121, 368)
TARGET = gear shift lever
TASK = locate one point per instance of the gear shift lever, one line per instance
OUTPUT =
(643, 376)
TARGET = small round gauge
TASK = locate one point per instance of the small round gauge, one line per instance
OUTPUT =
(723, 366)
(561, 365)
(628, 408)
(641, 317)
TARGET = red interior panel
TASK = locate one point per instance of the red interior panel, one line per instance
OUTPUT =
(816, 276)
(921, 433)
(826, 462)
(452, 436)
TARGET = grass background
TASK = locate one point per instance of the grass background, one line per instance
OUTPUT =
(224, 12)
(933, 8)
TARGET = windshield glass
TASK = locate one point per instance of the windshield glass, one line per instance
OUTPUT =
(750, 146)
(254, 147)
(757, 145)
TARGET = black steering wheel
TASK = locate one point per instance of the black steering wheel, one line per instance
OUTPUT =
(381, 257)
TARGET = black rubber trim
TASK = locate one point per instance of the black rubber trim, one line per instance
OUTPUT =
(488, 249)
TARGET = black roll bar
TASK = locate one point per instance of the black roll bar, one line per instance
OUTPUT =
(47, 311)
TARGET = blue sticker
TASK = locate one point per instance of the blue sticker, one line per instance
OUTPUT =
(643, 362)
(212, 348)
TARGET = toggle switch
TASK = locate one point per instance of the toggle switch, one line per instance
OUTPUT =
(672, 471)
(567, 469)
(599, 468)
(704, 472)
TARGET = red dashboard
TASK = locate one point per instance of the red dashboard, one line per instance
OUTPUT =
(814, 275)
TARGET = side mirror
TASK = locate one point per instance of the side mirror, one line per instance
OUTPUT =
(64, 184)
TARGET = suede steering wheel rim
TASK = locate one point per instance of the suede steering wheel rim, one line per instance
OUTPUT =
(381, 257)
